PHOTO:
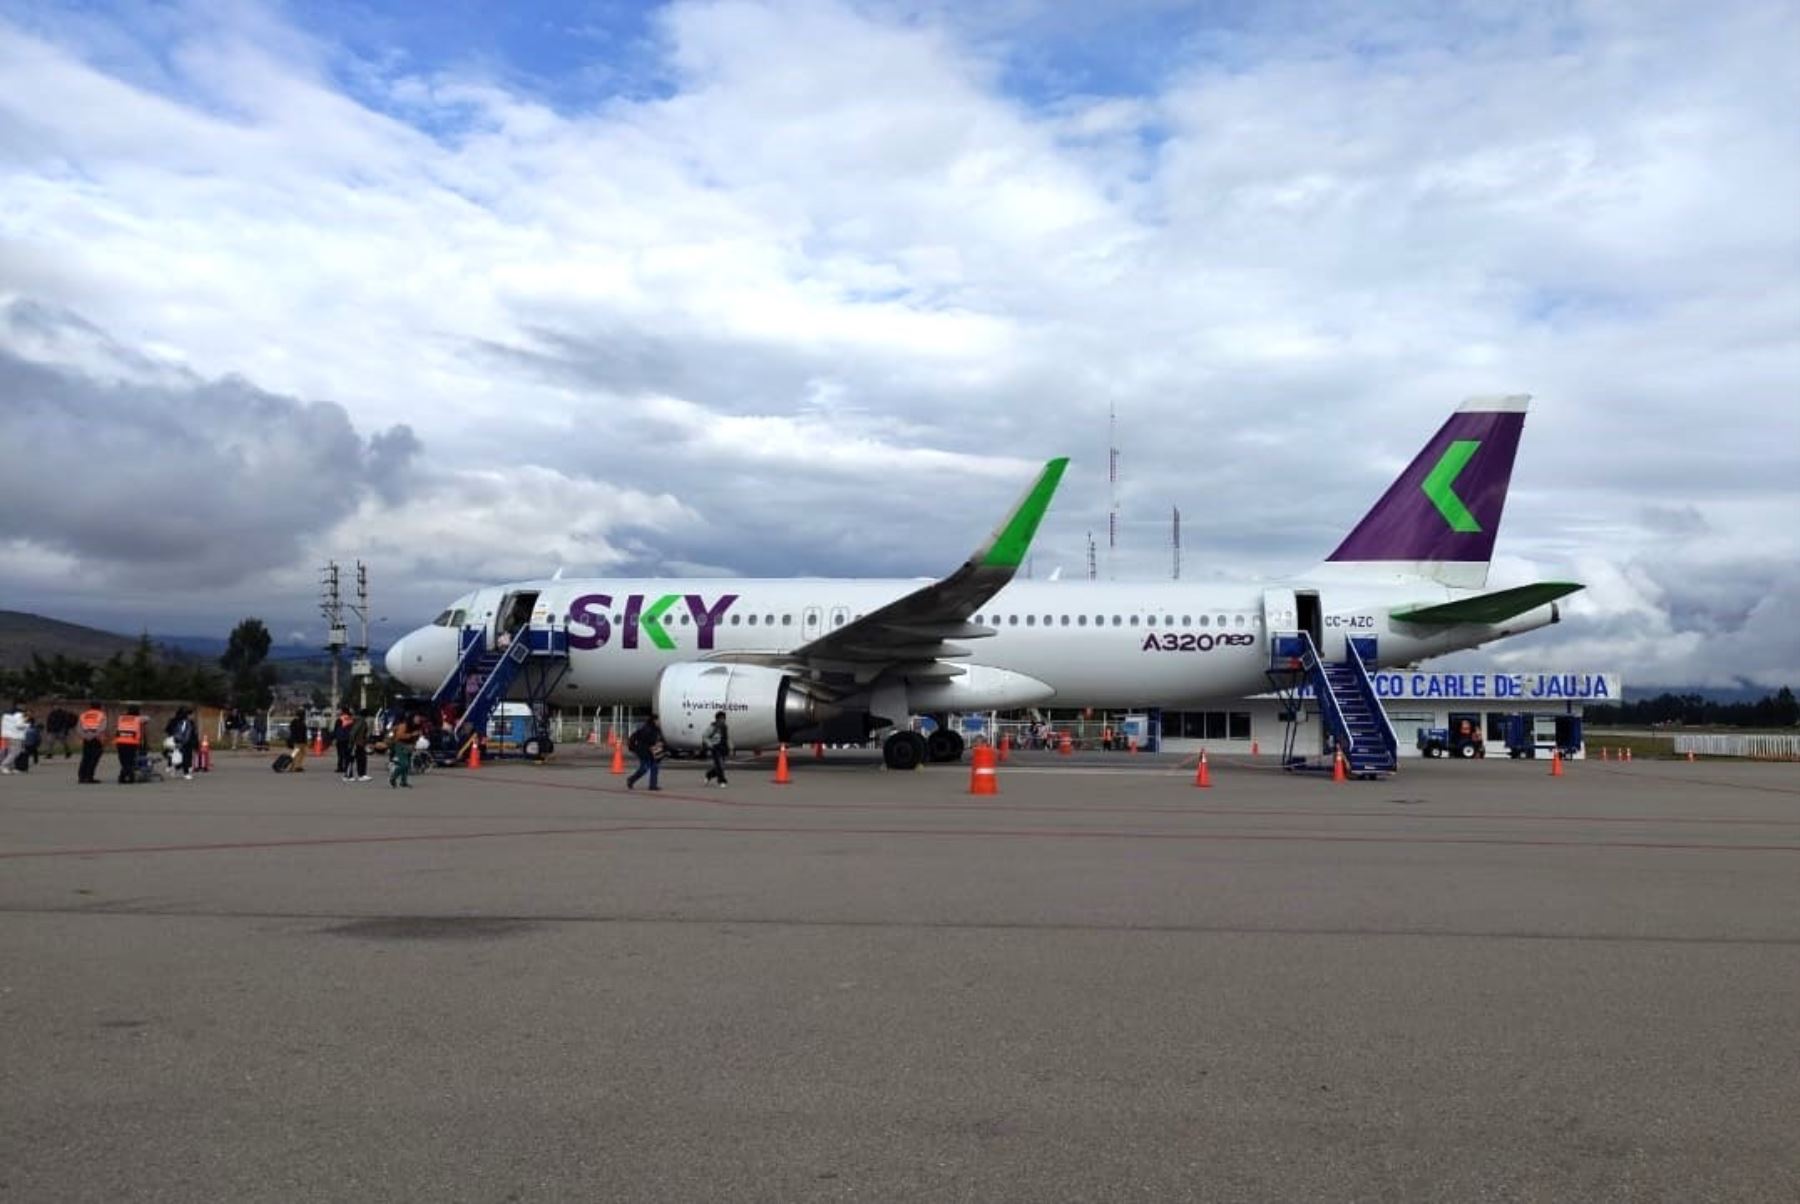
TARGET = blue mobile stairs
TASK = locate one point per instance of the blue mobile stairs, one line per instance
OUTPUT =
(527, 669)
(1345, 694)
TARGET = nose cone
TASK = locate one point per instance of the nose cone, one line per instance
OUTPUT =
(423, 658)
(396, 659)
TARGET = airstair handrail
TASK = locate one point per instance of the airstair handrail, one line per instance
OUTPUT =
(1368, 683)
(1314, 665)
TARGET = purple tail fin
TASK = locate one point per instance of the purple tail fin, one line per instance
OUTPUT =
(1439, 519)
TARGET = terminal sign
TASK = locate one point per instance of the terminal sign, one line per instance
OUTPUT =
(1528, 687)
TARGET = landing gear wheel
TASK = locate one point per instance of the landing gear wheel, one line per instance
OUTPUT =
(903, 750)
(538, 747)
(944, 745)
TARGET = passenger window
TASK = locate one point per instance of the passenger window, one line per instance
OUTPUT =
(683, 620)
(1081, 620)
(1206, 620)
(1031, 620)
(1240, 620)
(1187, 620)
(1012, 620)
(1134, 620)
(734, 620)
(1150, 620)
(1168, 620)
(752, 620)
(1065, 620)
(1117, 620)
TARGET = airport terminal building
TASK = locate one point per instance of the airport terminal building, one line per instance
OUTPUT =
(1413, 699)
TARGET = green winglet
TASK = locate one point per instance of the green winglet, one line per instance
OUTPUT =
(1013, 538)
(1496, 607)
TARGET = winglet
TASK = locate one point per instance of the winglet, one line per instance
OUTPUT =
(1006, 548)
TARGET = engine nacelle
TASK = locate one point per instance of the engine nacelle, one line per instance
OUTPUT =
(764, 707)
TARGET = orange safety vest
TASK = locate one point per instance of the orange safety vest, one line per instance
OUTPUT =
(131, 729)
(93, 724)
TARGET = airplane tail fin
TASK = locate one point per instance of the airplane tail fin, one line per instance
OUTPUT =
(1439, 519)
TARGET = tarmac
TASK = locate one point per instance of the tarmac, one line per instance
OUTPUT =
(1472, 981)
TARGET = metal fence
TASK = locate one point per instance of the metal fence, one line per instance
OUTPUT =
(1761, 747)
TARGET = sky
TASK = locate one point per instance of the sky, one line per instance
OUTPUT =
(473, 292)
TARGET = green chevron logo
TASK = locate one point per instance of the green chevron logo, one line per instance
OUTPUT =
(651, 622)
(1442, 476)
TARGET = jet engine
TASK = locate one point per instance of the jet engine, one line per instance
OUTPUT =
(764, 707)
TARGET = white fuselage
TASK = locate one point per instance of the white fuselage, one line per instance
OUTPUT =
(1076, 643)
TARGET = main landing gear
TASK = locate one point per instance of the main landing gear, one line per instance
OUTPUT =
(910, 749)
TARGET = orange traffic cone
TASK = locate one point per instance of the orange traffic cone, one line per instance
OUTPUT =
(593, 735)
(782, 776)
(204, 765)
(318, 748)
(1132, 745)
(618, 761)
(818, 750)
(1005, 748)
(983, 777)
(1337, 767)
(1556, 764)
(1255, 749)
(1203, 773)
(1628, 756)
(1067, 746)
(1690, 756)
(474, 752)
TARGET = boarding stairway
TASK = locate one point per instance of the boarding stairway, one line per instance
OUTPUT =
(533, 658)
(1344, 692)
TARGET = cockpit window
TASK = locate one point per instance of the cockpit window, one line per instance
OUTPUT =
(442, 620)
(457, 617)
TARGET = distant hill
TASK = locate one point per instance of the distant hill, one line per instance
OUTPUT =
(23, 634)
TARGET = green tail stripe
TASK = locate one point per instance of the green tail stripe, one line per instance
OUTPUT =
(651, 622)
(1438, 484)
(1014, 540)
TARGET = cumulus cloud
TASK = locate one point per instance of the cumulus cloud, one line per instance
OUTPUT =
(826, 318)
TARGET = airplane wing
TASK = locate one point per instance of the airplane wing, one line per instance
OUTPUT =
(914, 632)
(1495, 607)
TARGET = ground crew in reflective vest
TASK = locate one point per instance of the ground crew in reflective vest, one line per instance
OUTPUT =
(93, 742)
(129, 739)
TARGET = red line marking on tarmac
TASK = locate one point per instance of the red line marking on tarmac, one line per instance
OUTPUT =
(1146, 809)
(841, 833)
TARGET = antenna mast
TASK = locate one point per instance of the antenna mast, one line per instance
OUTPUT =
(360, 668)
(1112, 483)
(331, 605)
(1175, 537)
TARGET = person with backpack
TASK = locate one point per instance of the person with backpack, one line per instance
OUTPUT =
(356, 763)
(34, 739)
(718, 747)
(12, 737)
(186, 736)
(647, 744)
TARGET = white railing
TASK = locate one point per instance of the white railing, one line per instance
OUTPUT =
(1759, 747)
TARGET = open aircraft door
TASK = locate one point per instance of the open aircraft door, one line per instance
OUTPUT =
(1281, 624)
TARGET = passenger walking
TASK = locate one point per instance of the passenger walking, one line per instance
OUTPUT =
(59, 725)
(340, 740)
(296, 742)
(128, 741)
(647, 744)
(12, 736)
(400, 751)
(34, 739)
(186, 736)
(357, 768)
(93, 743)
(718, 747)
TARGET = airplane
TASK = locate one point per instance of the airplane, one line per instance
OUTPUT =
(795, 660)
